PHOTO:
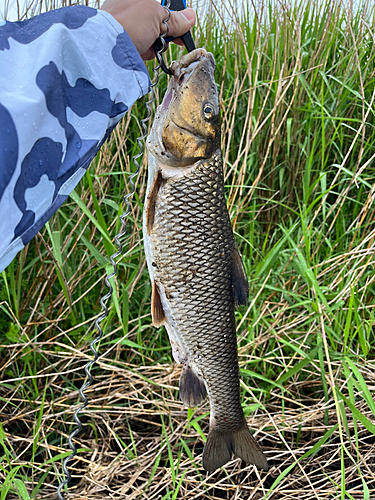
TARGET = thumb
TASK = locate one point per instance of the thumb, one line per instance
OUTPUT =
(180, 22)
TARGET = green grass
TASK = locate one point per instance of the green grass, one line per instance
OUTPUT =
(297, 86)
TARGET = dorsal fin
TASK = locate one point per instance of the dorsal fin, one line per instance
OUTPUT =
(151, 201)
(239, 280)
(157, 311)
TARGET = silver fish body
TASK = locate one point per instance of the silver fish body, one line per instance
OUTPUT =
(194, 265)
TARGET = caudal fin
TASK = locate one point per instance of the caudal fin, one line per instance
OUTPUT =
(220, 446)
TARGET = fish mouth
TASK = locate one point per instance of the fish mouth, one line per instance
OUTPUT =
(182, 71)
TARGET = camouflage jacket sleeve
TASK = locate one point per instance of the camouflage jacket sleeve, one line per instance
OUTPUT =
(66, 79)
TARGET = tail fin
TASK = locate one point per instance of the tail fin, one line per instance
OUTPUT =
(220, 445)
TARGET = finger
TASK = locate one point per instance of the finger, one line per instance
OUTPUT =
(181, 22)
(178, 41)
(148, 55)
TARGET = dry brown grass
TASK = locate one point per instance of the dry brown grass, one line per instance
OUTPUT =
(128, 410)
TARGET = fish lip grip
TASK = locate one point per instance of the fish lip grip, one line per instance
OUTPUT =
(175, 5)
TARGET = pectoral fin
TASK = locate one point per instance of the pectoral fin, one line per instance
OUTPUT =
(239, 280)
(151, 201)
(157, 312)
(192, 389)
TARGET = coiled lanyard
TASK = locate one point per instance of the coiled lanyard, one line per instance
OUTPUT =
(159, 47)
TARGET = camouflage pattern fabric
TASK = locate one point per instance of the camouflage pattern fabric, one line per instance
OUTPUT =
(66, 78)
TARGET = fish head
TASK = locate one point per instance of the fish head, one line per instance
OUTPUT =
(187, 124)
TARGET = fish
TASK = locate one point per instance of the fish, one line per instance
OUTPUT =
(196, 271)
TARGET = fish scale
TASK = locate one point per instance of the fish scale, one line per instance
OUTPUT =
(196, 271)
(210, 287)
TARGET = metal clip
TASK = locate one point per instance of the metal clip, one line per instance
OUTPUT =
(160, 43)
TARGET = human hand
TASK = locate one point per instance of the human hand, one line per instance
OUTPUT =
(143, 21)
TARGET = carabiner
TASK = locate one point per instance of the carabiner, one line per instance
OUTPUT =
(175, 5)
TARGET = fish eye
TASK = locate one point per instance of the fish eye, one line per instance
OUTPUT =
(208, 111)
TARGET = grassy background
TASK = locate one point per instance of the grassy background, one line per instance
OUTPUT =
(297, 88)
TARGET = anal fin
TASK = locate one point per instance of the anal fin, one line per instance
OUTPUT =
(239, 280)
(192, 390)
(157, 311)
(151, 201)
